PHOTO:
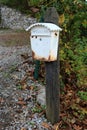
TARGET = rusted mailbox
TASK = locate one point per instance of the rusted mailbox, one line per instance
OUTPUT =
(44, 41)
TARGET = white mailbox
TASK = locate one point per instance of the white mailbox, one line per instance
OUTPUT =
(44, 41)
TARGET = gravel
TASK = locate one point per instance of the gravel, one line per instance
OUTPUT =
(17, 100)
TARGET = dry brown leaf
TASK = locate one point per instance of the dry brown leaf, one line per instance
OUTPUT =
(63, 114)
(85, 121)
(24, 86)
(73, 120)
(78, 100)
(23, 81)
(61, 19)
(1, 100)
(31, 87)
(45, 125)
(56, 126)
(43, 112)
(23, 128)
(20, 99)
(34, 10)
(24, 106)
(19, 111)
(21, 103)
(30, 72)
(70, 93)
(77, 127)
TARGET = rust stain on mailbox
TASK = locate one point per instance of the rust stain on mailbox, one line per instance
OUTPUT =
(50, 58)
(33, 54)
(44, 41)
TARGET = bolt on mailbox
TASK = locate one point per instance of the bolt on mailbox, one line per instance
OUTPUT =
(44, 41)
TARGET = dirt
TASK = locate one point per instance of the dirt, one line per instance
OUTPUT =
(13, 38)
(17, 95)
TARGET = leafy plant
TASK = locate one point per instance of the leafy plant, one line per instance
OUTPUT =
(38, 109)
(19, 86)
(73, 47)
(34, 2)
(79, 112)
(82, 95)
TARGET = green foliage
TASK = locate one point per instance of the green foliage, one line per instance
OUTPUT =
(82, 95)
(34, 2)
(38, 109)
(38, 3)
(3, 1)
(19, 87)
(73, 43)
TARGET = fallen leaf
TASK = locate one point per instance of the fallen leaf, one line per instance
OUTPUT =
(61, 19)
(31, 87)
(45, 125)
(34, 10)
(23, 81)
(21, 103)
(73, 120)
(77, 127)
(24, 106)
(30, 72)
(23, 128)
(85, 121)
(56, 126)
(1, 100)
(63, 114)
(24, 86)
(19, 110)
(78, 100)
(42, 113)
(20, 99)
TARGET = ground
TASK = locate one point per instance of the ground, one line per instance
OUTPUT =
(18, 89)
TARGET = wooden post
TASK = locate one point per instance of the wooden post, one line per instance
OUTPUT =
(52, 77)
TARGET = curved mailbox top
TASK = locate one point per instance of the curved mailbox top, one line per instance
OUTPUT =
(49, 26)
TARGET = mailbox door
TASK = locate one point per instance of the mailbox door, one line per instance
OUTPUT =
(40, 47)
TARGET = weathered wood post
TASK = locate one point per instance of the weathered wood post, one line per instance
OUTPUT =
(52, 77)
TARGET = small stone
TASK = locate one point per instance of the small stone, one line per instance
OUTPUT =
(41, 97)
(35, 126)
